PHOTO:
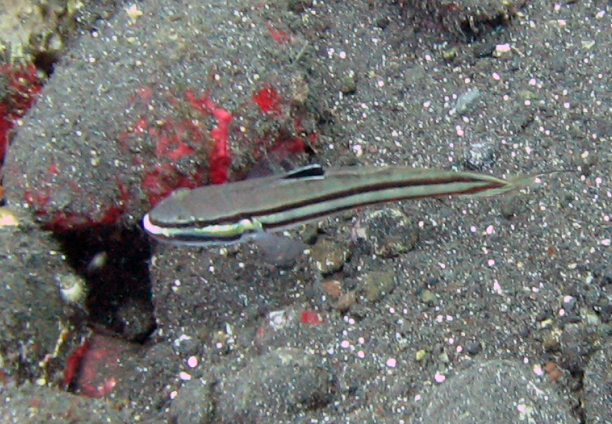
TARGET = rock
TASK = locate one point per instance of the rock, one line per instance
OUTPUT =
(388, 232)
(481, 155)
(109, 143)
(377, 284)
(329, 256)
(577, 342)
(281, 382)
(597, 394)
(428, 297)
(32, 309)
(467, 101)
(43, 405)
(497, 391)
(193, 403)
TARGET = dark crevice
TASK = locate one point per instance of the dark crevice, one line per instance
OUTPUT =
(479, 28)
(45, 61)
(113, 261)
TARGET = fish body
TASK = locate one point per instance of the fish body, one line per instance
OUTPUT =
(228, 213)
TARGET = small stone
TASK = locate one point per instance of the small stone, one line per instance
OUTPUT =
(346, 301)
(382, 22)
(527, 95)
(348, 83)
(388, 232)
(473, 348)
(591, 319)
(329, 256)
(551, 340)
(449, 54)
(428, 297)
(543, 315)
(421, 354)
(587, 44)
(467, 101)
(510, 207)
(480, 155)
(298, 6)
(137, 320)
(377, 284)
(333, 288)
(7, 216)
(553, 371)
(502, 51)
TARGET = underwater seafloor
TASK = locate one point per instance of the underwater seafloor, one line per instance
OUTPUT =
(463, 310)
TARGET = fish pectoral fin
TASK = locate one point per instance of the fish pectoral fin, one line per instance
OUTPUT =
(314, 170)
(278, 250)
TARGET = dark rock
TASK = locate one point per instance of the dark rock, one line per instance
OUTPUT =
(496, 392)
(577, 342)
(193, 403)
(597, 394)
(42, 405)
(284, 381)
(32, 309)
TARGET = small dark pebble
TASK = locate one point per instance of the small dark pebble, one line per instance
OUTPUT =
(511, 206)
(137, 320)
(382, 22)
(570, 305)
(480, 156)
(377, 284)
(298, 6)
(544, 314)
(473, 348)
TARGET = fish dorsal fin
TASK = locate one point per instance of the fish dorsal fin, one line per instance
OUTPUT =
(314, 170)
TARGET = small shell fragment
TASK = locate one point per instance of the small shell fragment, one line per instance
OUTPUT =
(73, 289)
(7, 217)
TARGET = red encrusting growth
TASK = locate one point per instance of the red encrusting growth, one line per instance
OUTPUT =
(23, 86)
(170, 140)
(268, 100)
(59, 221)
(162, 180)
(38, 198)
(289, 140)
(94, 368)
(310, 317)
(73, 363)
(53, 169)
(176, 139)
(280, 36)
(219, 158)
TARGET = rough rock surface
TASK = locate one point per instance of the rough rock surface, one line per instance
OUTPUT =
(183, 93)
(496, 392)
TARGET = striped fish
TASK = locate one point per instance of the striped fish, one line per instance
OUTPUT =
(234, 212)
